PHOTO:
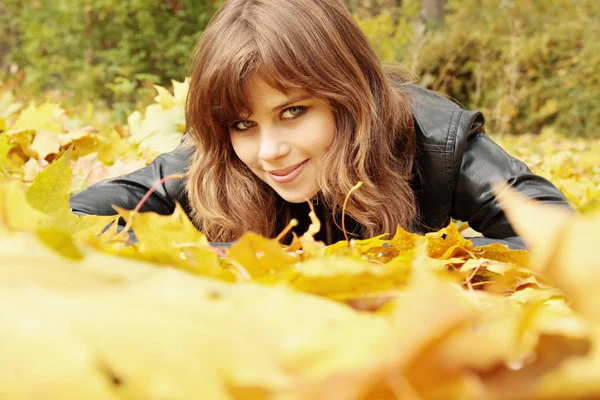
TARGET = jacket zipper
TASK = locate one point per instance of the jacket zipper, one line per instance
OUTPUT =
(328, 231)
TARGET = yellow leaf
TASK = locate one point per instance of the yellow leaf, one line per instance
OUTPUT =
(509, 346)
(405, 241)
(529, 295)
(66, 139)
(90, 169)
(5, 147)
(429, 310)
(78, 227)
(361, 246)
(178, 98)
(260, 256)
(149, 333)
(177, 227)
(563, 246)
(173, 240)
(159, 130)
(46, 117)
(344, 278)
(32, 168)
(180, 91)
(15, 211)
(488, 265)
(576, 378)
(377, 248)
(447, 243)
(502, 253)
(59, 241)
(51, 188)
(45, 143)
(21, 140)
(164, 97)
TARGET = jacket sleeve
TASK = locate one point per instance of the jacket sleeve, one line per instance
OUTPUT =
(126, 191)
(479, 161)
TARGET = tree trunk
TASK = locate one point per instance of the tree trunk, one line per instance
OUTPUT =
(432, 10)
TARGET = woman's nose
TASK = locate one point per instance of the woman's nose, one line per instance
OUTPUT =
(272, 146)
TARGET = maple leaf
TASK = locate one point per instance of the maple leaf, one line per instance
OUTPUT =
(260, 256)
(378, 248)
(447, 243)
(32, 168)
(90, 169)
(158, 130)
(345, 278)
(178, 98)
(172, 240)
(502, 253)
(47, 117)
(45, 143)
(44, 207)
(180, 91)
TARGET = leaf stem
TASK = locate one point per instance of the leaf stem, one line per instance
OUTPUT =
(354, 188)
(285, 231)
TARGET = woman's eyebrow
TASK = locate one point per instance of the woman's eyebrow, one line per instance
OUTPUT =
(292, 101)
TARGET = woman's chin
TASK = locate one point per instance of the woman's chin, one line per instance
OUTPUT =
(298, 197)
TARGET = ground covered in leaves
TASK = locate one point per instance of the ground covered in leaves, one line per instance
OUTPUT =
(397, 316)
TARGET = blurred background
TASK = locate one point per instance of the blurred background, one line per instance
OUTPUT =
(530, 65)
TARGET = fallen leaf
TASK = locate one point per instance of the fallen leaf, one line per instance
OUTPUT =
(48, 117)
(563, 246)
(45, 143)
(89, 170)
(345, 278)
(51, 188)
(171, 240)
(447, 243)
(259, 256)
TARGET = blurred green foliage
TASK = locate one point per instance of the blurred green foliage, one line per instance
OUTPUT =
(529, 65)
(102, 48)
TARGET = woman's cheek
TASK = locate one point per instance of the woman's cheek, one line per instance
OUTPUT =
(244, 149)
(235, 143)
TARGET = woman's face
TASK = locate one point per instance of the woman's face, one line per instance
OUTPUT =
(285, 140)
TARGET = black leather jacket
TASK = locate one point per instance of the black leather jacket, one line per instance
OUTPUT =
(455, 162)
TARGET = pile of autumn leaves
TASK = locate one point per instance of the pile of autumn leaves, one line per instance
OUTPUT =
(401, 316)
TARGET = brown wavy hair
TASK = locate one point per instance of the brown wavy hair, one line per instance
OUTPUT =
(314, 45)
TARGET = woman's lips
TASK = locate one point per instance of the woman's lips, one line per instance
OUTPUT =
(288, 174)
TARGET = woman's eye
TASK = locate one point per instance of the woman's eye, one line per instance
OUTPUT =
(293, 112)
(242, 125)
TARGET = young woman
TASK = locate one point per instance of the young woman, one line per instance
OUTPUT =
(288, 102)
